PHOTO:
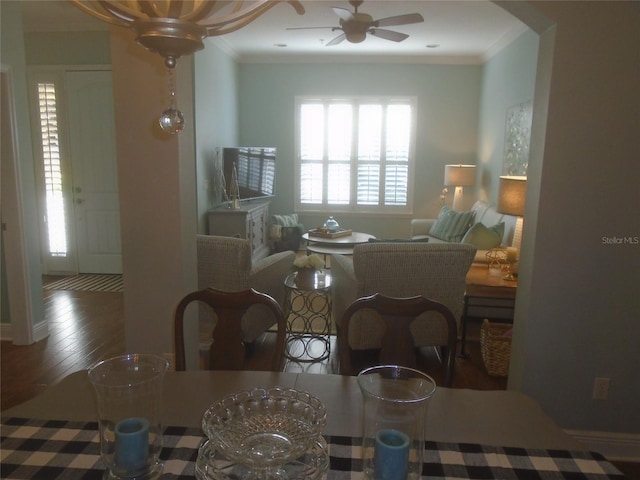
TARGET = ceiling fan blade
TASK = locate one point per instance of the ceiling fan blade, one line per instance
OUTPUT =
(343, 13)
(388, 34)
(399, 20)
(339, 39)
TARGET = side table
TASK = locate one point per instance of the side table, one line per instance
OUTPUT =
(308, 314)
(486, 296)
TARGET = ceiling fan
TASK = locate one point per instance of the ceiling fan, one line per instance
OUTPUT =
(356, 25)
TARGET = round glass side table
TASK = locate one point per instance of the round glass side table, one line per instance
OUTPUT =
(308, 314)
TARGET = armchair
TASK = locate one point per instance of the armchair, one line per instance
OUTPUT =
(224, 263)
(434, 271)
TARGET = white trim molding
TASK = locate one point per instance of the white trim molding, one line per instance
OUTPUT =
(615, 446)
(6, 333)
(40, 332)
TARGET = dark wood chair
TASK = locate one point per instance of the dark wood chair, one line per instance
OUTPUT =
(397, 345)
(227, 350)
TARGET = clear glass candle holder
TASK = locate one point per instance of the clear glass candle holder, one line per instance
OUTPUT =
(394, 414)
(129, 399)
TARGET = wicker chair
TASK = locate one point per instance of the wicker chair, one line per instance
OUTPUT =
(224, 263)
(433, 271)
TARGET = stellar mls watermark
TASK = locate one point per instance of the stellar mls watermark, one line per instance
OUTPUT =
(629, 240)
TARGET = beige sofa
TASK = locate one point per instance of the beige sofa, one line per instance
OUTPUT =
(436, 271)
(482, 213)
(224, 263)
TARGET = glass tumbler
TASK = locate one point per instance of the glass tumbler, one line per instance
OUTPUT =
(129, 398)
(394, 414)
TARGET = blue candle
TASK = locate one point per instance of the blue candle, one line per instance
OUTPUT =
(391, 455)
(132, 444)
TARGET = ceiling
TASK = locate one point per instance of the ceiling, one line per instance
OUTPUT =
(464, 31)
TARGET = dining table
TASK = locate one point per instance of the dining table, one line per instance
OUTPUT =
(469, 434)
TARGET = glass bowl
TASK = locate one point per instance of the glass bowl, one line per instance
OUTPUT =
(312, 465)
(265, 428)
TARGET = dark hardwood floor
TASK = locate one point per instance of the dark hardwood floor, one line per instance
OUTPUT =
(86, 327)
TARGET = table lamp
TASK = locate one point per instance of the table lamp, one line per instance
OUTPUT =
(459, 176)
(512, 191)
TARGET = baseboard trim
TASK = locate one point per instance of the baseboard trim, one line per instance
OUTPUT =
(624, 447)
(40, 331)
(6, 333)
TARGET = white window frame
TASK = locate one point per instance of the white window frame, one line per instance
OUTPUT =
(352, 207)
(55, 76)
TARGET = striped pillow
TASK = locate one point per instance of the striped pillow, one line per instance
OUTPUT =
(285, 220)
(450, 225)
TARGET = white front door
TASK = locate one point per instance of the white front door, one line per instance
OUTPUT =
(95, 176)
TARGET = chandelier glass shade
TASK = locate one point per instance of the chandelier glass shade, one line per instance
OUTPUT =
(173, 28)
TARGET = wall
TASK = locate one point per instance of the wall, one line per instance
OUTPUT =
(67, 48)
(216, 88)
(579, 319)
(508, 79)
(448, 102)
(156, 178)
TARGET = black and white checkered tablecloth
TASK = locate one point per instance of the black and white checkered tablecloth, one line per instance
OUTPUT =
(51, 449)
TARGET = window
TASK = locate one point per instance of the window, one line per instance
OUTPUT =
(355, 154)
(48, 116)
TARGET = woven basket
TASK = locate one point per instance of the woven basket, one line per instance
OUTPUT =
(495, 345)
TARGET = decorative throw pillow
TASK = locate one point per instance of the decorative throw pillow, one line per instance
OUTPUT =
(450, 225)
(290, 239)
(484, 238)
(285, 232)
(285, 220)
(398, 240)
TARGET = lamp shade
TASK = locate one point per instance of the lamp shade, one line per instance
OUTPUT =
(512, 191)
(459, 175)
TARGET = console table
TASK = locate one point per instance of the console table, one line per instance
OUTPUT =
(486, 296)
(249, 221)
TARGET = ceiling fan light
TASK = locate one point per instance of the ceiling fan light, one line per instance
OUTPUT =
(356, 37)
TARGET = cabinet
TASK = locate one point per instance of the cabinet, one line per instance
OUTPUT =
(250, 222)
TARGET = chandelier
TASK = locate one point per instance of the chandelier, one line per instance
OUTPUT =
(173, 28)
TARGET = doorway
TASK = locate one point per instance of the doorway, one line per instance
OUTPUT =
(78, 194)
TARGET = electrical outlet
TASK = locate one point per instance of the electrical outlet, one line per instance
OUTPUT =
(601, 388)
